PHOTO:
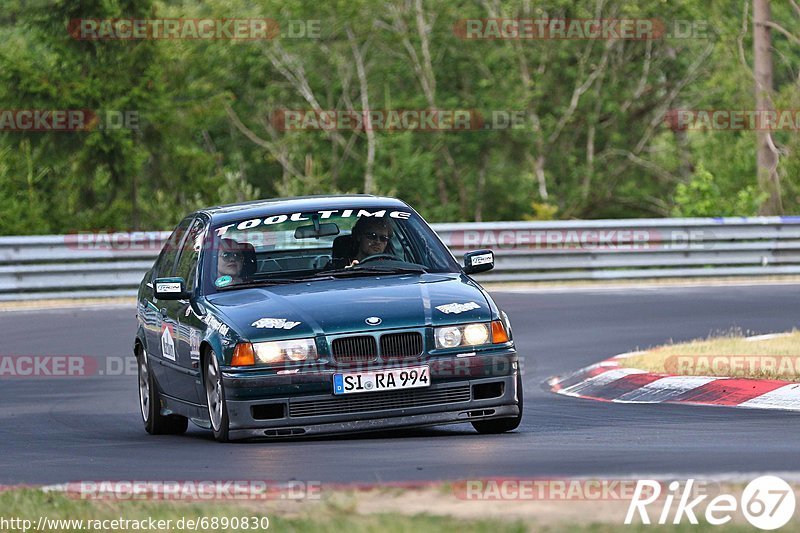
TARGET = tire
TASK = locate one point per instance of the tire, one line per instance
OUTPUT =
(502, 425)
(215, 398)
(150, 403)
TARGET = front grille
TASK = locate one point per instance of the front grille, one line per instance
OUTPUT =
(398, 345)
(354, 349)
(379, 401)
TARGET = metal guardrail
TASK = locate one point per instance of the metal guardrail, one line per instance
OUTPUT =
(112, 264)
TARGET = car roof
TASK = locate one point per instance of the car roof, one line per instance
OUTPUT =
(259, 208)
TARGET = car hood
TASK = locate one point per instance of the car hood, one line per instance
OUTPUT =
(331, 307)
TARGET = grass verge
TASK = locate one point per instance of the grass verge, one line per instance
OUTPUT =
(98, 515)
(65, 303)
(731, 355)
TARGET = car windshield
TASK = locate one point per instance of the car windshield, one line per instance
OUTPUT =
(288, 247)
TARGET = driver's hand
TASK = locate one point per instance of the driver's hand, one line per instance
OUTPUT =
(354, 263)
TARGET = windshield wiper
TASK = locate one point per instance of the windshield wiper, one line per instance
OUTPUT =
(259, 283)
(276, 281)
(371, 270)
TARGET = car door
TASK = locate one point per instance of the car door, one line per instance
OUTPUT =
(161, 330)
(189, 328)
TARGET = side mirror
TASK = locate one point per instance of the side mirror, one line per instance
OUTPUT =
(478, 261)
(170, 289)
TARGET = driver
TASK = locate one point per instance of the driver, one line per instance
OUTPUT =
(371, 236)
(230, 262)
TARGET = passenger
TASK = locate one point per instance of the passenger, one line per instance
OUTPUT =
(230, 262)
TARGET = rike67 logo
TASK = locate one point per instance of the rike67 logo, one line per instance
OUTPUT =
(767, 502)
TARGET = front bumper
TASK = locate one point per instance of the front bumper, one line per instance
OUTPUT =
(304, 405)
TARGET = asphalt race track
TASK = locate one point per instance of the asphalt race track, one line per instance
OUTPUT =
(89, 428)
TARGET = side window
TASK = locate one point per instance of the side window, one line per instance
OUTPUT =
(166, 261)
(187, 262)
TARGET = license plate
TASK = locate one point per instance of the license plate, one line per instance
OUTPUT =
(390, 379)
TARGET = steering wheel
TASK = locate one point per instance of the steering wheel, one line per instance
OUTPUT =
(378, 257)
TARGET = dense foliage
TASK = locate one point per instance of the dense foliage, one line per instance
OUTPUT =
(593, 143)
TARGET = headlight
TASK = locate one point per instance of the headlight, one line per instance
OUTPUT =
(281, 351)
(448, 337)
(476, 334)
(466, 335)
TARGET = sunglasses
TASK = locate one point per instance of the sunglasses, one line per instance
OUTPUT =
(232, 256)
(374, 237)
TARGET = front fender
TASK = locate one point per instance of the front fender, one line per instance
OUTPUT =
(140, 338)
(214, 341)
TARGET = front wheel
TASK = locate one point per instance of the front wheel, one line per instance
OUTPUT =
(215, 396)
(150, 403)
(501, 425)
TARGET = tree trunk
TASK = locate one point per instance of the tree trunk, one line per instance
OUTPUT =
(369, 180)
(135, 219)
(767, 154)
(481, 188)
